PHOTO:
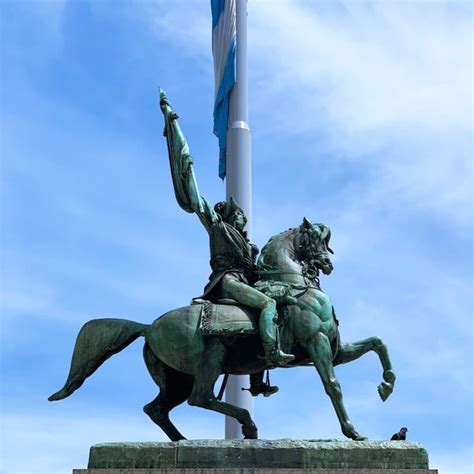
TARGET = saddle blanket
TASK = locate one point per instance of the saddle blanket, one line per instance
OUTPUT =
(226, 320)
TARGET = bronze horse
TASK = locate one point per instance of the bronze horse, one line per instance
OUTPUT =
(186, 364)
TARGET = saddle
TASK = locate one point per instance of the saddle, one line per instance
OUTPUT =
(226, 319)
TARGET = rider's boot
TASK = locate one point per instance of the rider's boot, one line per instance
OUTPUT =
(275, 357)
(258, 386)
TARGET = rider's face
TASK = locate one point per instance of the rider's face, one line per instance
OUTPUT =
(239, 220)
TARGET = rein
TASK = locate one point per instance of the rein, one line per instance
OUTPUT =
(294, 285)
(276, 272)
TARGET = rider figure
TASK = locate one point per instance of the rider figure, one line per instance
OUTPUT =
(232, 255)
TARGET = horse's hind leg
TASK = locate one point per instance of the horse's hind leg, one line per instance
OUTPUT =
(203, 391)
(320, 352)
(175, 388)
(350, 352)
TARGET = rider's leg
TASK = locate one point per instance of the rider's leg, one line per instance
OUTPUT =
(248, 296)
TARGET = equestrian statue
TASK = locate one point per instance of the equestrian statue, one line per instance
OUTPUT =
(254, 314)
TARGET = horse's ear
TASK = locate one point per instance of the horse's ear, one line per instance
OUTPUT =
(307, 223)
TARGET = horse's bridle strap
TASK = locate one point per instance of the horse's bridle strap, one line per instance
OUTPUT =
(276, 272)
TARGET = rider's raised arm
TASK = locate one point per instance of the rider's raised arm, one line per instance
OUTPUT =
(181, 164)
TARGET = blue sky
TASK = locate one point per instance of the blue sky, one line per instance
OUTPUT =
(361, 117)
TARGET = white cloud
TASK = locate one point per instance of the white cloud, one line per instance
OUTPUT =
(371, 66)
(389, 85)
(386, 83)
(183, 26)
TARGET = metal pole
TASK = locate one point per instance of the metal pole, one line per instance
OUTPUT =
(239, 186)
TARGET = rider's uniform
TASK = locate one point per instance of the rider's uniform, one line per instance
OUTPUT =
(232, 254)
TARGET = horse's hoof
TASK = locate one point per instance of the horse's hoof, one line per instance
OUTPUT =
(385, 389)
(250, 432)
(351, 432)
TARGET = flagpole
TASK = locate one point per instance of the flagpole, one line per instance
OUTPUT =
(239, 186)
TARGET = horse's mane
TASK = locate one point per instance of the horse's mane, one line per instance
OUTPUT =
(276, 242)
(277, 238)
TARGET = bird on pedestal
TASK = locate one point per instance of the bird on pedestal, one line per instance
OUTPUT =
(400, 436)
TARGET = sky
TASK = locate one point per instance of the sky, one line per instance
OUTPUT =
(362, 118)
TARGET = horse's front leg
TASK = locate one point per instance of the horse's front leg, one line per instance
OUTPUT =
(349, 352)
(319, 350)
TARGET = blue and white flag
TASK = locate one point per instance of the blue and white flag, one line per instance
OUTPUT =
(223, 52)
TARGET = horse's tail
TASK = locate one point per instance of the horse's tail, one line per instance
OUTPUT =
(97, 340)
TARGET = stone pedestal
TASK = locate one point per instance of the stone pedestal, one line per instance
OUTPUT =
(255, 471)
(259, 457)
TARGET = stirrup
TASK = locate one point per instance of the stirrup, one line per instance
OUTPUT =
(279, 358)
(263, 388)
(266, 389)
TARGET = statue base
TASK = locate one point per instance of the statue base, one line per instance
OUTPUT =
(284, 456)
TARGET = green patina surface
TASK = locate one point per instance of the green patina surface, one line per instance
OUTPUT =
(285, 453)
(185, 354)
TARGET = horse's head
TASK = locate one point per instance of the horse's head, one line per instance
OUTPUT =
(312, 247)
